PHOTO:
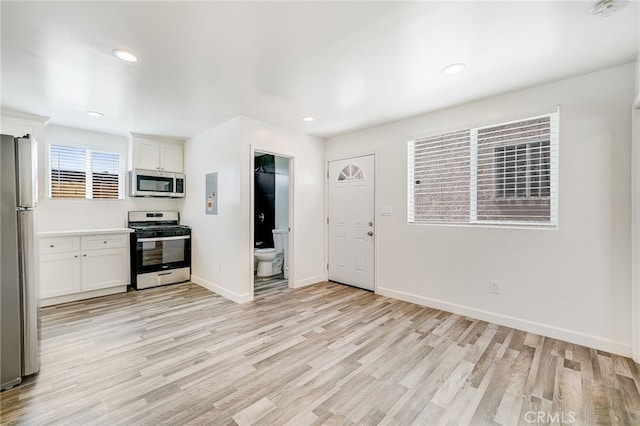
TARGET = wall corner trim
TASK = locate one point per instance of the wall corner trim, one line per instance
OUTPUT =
(571, 336)
(635, 228)
(227, 294)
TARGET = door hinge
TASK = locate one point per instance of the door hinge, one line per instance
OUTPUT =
(327, 174)
(327, 266)
(327, 221)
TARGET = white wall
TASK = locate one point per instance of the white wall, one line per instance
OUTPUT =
(571, 283)
(222, 245)
(637, 76)
(62, 215)
(307, 178)
(282, 192)
(218, 241)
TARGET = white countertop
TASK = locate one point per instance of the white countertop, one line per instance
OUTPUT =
(73, 232)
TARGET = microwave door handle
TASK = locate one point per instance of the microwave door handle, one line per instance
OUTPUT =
(179, 237)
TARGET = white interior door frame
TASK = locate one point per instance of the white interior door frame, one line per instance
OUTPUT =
(292, 270)
(635, 229)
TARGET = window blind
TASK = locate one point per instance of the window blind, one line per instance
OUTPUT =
(68, 166)
(106, 175)
(439, 178)
(503, 174)
(76, 172)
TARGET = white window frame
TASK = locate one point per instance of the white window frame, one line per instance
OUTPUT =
(473, 178)
(88, 156)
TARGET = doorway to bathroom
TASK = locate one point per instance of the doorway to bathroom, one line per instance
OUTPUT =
(272, 200)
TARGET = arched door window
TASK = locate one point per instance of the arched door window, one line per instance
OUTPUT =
(350, 172)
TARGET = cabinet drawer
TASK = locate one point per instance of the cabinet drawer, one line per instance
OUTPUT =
(91, 242)
(59, 245)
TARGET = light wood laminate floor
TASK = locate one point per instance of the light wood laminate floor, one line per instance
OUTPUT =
(324, 354)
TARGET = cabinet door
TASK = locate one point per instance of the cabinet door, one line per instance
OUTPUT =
(59, 274)
(146, 154)
(105, 268)
(172, 158)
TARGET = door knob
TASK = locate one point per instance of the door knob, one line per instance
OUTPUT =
(370, 233)
(370, 223)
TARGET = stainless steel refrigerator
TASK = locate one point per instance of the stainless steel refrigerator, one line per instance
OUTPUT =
(19, 278)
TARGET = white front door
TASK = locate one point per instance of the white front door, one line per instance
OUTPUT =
(351, 221)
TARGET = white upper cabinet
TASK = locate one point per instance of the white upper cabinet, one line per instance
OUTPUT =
(171, 156)
(152, 153)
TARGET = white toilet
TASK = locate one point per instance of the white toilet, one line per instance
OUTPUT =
(271, 261)
(268, 262)
(281, 244)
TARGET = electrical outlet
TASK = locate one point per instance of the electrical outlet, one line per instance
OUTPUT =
(494, 287)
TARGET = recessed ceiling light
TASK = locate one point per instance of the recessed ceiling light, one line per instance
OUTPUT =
(308, 119)
(453, 68)
(95, 114)
(126, 55)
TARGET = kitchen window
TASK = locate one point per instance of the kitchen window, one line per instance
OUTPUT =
(77, 172)
(502, 174)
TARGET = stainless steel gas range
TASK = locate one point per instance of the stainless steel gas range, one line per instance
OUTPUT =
(160, 249)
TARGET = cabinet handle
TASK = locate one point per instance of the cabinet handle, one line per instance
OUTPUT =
(84, 255)
(104, 242)
(51, 246)
(75, 256)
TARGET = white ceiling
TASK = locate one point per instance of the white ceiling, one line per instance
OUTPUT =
(349, 64)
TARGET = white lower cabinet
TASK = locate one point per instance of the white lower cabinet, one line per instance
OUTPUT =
(83, 266)
(59, 274)
(104, 268)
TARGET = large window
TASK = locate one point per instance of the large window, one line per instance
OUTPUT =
(504, 174)
(76, 172)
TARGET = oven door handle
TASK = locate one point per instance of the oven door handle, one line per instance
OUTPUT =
(179, 237)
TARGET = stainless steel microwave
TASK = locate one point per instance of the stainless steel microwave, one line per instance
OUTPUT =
(151, 183)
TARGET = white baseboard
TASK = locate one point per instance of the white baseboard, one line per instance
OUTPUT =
(231, 295)
(80, 296)
(571, 336)
(309, 281)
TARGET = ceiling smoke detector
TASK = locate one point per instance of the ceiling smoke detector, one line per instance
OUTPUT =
(608, 7)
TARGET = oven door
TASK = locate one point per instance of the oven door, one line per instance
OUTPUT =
(162, 253)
